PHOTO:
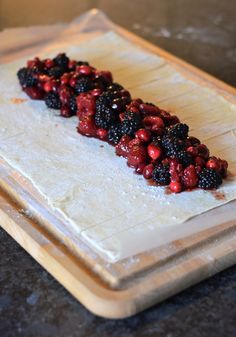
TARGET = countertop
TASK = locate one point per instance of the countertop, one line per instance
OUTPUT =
(32, 303)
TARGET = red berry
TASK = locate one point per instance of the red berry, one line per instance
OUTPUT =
(72, 64)
(213, 163)
(192, 150)
(48, 86)
(65, 111)
(102, 134)
(137, 155)
(175, 186)
(73, 81)
(65, 79)
(199, 161)
(34, 92)
(85, 105)
(33, 63)
(203, 151)
(134, 142)
(149, 109)
(153, 122)
(65, 94)
(49, 63)
(87, 127)
(147, 171)
(84, 70)
(139, 169)
(96, 92)
(143, 134)
(154, 151)
(122, 148)
(190, 177)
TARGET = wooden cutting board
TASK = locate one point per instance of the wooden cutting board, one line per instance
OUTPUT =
(123, 288)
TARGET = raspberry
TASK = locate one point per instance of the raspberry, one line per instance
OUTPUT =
(87, 127)
(209, 179)
(85, 105)
(122, 148)
(161, 174)
(137, 155)
(179, 130)
(114, 134)
(190, 177)
(52, 100)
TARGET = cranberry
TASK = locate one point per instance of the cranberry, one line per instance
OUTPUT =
(143, 134)
(154, 151)
(192, 150)
(139, 169)
(122, 148)
(213, 163)
(43, 77)
(49, 63)
(175, 186)
(72, 64)
(194, 141)
(102, 134)
(33, 63)
(203, 151)
(171, 120)
(84, 70)
(153, 122)
(149, 109)
(147, 171)
(134, 109)
(199, 161)
(48, 86)
(73, 81)
(65, 79)
(96, 92)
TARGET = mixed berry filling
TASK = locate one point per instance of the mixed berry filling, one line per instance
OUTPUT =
(154, 142)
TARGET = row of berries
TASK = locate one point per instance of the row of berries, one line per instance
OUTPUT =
(154, 142)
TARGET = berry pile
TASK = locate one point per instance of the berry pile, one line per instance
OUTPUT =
(154, 142)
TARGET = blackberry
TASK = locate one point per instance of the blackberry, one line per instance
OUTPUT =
(84, 84)
(209, 179)
(115, 87)
(114, 133)
(73, 105)
(82, 63)
(104, 117)
(52, 100)
(184, 158)
(179, 130)
(61, 60)
(56, 71)
(161, 174)
(172, 145)
(26, 78)
(131, 123)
